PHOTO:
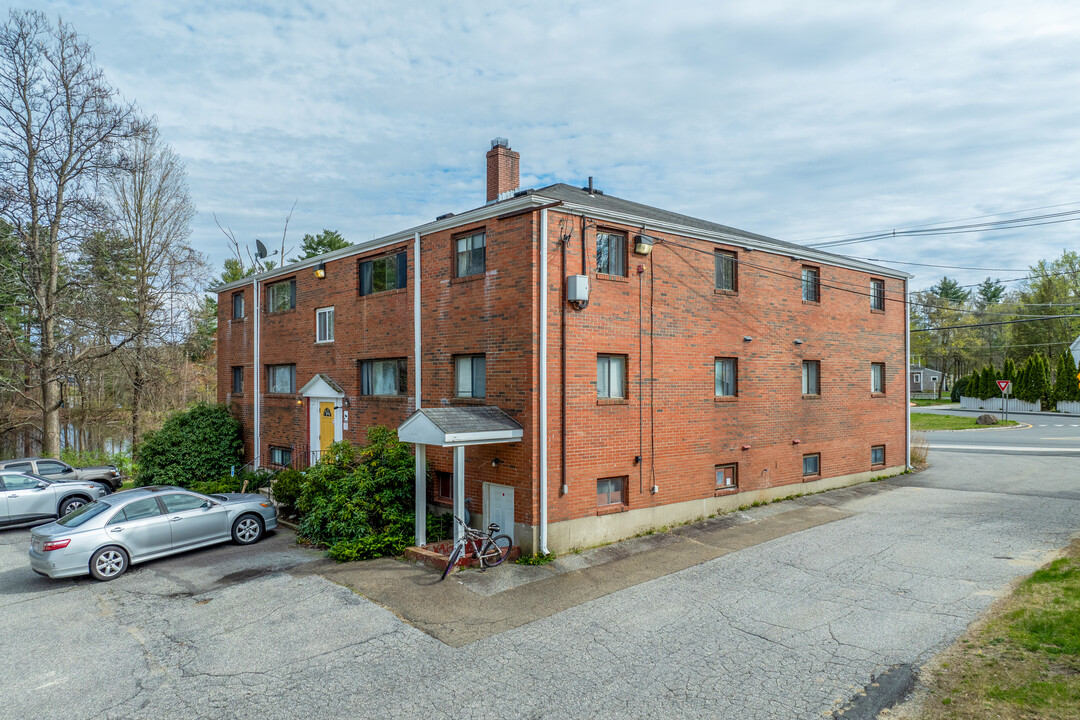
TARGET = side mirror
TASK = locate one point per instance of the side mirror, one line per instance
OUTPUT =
(42, 485)
(67, 470)
(208, 504)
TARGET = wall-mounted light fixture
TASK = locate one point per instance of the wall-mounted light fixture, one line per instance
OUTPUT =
(747, 338)
(299, 401)
(798, 341)
(642, 244)
(496, 462)
(320, 270)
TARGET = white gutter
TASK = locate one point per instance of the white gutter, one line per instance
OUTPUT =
(543, 381)
(256, 374)
(907, 370)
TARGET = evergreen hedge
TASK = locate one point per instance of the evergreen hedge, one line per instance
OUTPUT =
(196, 445)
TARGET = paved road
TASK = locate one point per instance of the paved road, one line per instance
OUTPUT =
(1051, 435)
(790, 628)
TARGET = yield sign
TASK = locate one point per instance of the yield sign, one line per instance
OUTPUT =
(1005, 385)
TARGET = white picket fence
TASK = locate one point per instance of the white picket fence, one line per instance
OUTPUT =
(1068, 406)
(994, 405)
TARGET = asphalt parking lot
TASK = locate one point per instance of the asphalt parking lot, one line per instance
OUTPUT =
(790, 627)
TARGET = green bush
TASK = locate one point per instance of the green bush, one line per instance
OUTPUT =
(361, 500)
(959, 388)
(440, 527)
(287, 487)
(228, 484)
(200, 444)
(86, 458)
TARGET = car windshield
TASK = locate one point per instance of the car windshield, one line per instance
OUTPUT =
(86, 512)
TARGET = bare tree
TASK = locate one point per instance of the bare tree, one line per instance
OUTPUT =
(164, 273)
(59, 124)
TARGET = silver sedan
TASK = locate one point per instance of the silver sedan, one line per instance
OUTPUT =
(105, 537)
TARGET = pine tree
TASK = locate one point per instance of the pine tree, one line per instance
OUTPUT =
(1065, 377)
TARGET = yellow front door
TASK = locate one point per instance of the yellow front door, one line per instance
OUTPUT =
(326, 425)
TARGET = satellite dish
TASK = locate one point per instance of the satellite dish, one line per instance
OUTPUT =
(260, 251)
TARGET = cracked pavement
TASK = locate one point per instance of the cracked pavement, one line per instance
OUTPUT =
(788, 628)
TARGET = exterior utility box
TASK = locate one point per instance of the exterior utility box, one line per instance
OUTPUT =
(577, 288)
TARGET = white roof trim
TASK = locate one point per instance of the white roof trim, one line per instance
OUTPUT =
(318, 387)
(418, 428)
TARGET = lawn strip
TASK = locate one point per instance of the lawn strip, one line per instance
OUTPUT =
(928, 421)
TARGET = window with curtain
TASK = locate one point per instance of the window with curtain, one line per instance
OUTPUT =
(811, 381)
(725, 377)
(281, 296)
(611, 253)
(611, 376)
(384, 377)
(470, 376)
(471, 254)
(282, 378)
(877, 377)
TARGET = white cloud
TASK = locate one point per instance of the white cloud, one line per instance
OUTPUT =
(797, 120)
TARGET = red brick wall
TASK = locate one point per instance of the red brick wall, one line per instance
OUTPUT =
(668, 321)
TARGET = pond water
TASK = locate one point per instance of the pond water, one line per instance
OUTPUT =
(81, 437)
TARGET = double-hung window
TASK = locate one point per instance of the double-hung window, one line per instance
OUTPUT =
(725, 273)
(471, 254)
(470, 376)
(280, 455)
(877, 295)
(811, 465)
(727, 476)
(811, 377)
(281, 296)
(725, 377)
(324, 325)
(611, 376)
(281, 378)
(811, 284)
(389, 272)
(611, 253)
(383, 377)
(610, 491)
(238, 380)
(238, 305)
(877, 377)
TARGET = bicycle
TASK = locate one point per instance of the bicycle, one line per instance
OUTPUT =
(489, 548)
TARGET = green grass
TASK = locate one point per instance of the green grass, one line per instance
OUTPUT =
(925, 403)
(538, 559)
(1023, 661)
(926, 421)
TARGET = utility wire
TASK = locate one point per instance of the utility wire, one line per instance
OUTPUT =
(945, 267)
(996, 322)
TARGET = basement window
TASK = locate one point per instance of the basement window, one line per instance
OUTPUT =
(877, 455)
(727, 476)
(610, 491)
(811, 465)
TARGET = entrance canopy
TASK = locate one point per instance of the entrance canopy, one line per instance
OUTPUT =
(453, 427)
(322, 386)
(458, 426)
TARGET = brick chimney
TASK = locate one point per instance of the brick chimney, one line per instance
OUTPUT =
(503, 173)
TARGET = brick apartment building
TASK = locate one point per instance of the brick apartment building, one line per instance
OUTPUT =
(575, 366)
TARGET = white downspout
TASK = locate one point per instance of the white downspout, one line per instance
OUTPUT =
(543, 382)
(256, 374)
(907, 369)
(421, 450)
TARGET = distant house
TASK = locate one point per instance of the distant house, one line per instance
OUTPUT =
(923, 379)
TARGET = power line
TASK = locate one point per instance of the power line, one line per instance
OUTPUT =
(996, 322)
(945, 267)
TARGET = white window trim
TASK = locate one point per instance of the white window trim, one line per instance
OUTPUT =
(322, 311)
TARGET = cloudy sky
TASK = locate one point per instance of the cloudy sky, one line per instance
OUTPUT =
(799, 120)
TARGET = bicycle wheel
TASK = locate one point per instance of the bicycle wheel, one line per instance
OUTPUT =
(454, 556)
(495, 550)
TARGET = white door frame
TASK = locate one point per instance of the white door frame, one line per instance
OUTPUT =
(315, 423)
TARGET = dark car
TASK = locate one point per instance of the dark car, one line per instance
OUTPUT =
(59, 471)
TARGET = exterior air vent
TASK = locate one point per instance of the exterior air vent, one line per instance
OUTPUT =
(444, 216)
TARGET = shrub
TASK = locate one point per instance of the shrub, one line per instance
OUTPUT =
(286, 489)
(196, 445)
(440, 527)
(960, 387)
(369, 547)
(122, 460)
(245, 481)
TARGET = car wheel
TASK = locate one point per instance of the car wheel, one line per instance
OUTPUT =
(71, 504)
(108, 563)
(247, 529)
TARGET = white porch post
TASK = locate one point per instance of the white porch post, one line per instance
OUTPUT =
(459, 488)
(421, 494)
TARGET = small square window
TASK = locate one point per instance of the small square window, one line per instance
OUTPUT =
(877, 295)
(611, 376)
(811, 465)
(811, 377)
(238, 305)
(280, 456)
(725, 377)
(281, 378)
(471, 253)
(281, 296)
(611, 253)
(444, 485)
(324, 325)
(811, 284)
(610, 491)
(384, 273)
(470, 376)
(237, 380)
(877, 377)
(725, 271)
(877, 455)
(727, 476)
(384, 377)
